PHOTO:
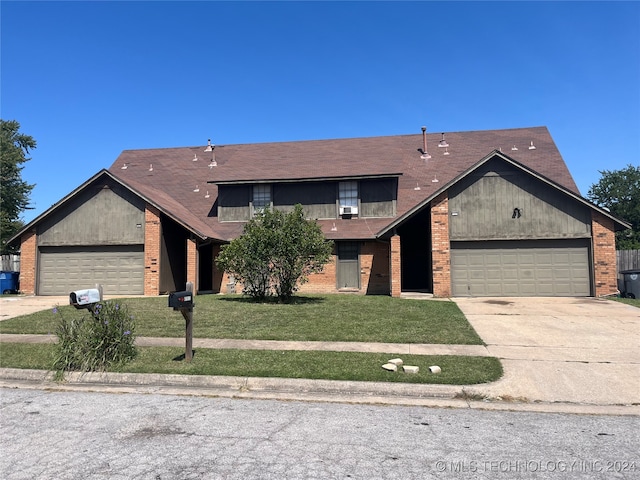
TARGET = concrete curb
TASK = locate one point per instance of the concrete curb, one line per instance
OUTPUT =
(287, 389)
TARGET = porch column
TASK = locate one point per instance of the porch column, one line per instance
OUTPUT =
(605, 262)
(395, 272)
(192, 263)
(152, 239)
(28, 256)
(441, 246)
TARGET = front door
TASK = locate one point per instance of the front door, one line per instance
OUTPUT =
(348, 265)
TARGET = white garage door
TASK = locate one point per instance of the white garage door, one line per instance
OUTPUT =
(502, 269)
(120, 270)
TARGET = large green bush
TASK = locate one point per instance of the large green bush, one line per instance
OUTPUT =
(276, 253)
(96, 339)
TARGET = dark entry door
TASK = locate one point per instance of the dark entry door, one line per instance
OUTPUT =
(348, 265)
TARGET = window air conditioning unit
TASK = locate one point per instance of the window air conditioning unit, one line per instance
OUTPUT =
(348, 210)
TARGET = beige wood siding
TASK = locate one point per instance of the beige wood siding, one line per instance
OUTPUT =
(378, 197)
(102, 215)
(499, 202)
(318, 199)
(233, 203)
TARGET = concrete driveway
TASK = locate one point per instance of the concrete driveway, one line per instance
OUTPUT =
(14, 306)
(582, 350)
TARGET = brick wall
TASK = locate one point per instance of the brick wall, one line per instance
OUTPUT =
(152, 239)
(441, 247)
(374, 273)
(218, 275)
(192, 264)
(28, 256)
(375, 258)
(604, 255)
(323, 282)
(395, 267)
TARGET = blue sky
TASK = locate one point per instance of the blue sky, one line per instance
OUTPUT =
(90, 79)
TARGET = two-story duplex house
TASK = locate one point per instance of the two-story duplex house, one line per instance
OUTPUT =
(480, 213)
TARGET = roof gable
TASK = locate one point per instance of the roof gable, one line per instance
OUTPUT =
(619, 224)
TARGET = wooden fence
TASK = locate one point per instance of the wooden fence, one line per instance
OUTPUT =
(628, 259)
(11, 263)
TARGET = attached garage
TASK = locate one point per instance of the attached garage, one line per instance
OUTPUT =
(119, 269)
(521, 268)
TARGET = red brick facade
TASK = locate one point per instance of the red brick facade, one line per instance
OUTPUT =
(323, 282)
(192, 263)
(374, 273)
(395, 267)
(28, 256)
(604, 255)
(374, 268)
(152, 239)
(441, 249)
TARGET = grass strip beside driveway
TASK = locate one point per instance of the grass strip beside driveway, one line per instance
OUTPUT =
(340, 318)
(355, 366)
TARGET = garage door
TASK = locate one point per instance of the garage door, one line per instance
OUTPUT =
(120, 270)
(541, 268)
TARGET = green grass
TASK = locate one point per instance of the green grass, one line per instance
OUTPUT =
(348, 318)
(456, 370)
(629, 301)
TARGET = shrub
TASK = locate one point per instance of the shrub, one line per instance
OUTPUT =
(276, 253)
(101, 337)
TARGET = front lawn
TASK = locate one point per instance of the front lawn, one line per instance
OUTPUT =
(635, 302)
(348, 318)
(355, 366)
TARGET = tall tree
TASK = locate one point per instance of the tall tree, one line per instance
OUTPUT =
(276, 253)
(619, 191)
(14, 192)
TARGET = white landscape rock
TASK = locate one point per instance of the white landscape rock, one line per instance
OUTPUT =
(396, 361)
(411, 369)
(390, 367)
(435, 369)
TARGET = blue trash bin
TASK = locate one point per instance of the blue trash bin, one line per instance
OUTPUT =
(9, 282)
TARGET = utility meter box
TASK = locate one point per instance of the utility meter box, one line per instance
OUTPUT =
(181, 300)
(84, 298)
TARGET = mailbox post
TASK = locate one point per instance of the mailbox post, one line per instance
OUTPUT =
(183, 301)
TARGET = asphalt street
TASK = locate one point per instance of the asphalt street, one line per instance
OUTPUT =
(84, 435)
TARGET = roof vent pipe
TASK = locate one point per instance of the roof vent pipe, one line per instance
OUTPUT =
(425, 155)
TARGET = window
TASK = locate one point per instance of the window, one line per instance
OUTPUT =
(348, 194)
(261, 197)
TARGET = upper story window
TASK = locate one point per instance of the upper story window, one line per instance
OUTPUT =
(348, 194)
(261, 198)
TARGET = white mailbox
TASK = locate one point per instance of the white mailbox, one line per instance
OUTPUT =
(84, 298)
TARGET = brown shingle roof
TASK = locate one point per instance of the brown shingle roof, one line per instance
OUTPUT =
(175, 174)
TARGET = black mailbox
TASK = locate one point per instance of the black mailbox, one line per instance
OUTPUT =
(179, 300)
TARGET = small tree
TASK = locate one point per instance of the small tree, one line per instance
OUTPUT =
(276, 253)
(619, 191)
(14, 192)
